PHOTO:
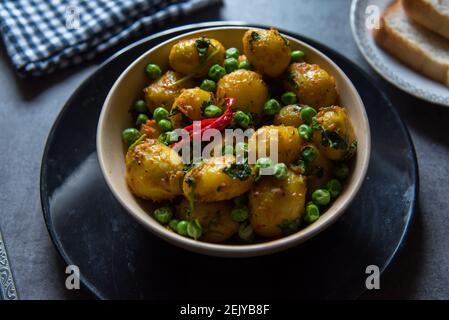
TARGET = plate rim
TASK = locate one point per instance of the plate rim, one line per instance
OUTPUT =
(381, 67)
(90, 288)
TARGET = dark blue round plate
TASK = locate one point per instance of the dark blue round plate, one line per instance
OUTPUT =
(118, 258)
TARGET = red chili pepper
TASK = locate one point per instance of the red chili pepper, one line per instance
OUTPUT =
(204, 122)
(219, 123)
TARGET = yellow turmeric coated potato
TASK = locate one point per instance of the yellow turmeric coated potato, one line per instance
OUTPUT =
(162, 92)
(247, 87)
(313, 85)
(214, 217)
(289, 116)
(335, 137)
(217, 179)
(267, 51)
(195, 56)
(286, 139)
(192, 101)
(277, 205)
(154, 171)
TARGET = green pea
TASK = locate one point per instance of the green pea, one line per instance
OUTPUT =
(141, 119)
(305, 132)
(307, 113)
(181, 227)
(245, 64)
(239, 214)
(321, 197)
(246, 232)
(241, 201)
(231, 64)
(130, 135)
(160, 114)
(194, 229)
(227, 150)
(242, 119)
(280, 171)
(232, 53)
(309, 153)
(341, 171)
(153, 71)
(289, 98)
(216, 72)
(263, 163)
(334, 188)
(212, 111)
(208, 85)
(140, 107)
(271, 107)
(168, 137)
(163, 214)
(312, 213)
(297, 55)
(165, 125)
(173, 223)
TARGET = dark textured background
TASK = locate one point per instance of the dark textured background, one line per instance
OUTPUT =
(29, 107)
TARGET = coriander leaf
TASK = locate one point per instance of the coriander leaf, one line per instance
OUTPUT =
(254, 36)
(333, 140)
(202, 45)
(241, 171)
(289, 226)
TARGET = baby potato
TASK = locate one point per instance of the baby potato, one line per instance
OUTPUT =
(267, 51)
(217, 179)
(214, 217)
(277, 205)
(289, 116)
(196, 56)
(313, 85)
(162, 92)
(335, 138)
(287, 139)
(154, 171)
(192, 101)
(247, 87)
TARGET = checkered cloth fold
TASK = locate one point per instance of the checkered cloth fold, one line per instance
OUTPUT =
(42, 36)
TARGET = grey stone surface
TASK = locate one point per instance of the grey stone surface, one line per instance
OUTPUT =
(29, 107)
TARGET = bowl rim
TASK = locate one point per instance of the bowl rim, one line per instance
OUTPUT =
(238, 250)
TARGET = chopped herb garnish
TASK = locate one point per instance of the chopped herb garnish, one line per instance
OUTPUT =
(290, 78)
(202, 45)
(241, 171)
(289, 226)
(254, 36)
(333, 140)
(190, 181)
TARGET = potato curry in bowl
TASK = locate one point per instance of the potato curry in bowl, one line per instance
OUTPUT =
(233, 141)
(263, 86)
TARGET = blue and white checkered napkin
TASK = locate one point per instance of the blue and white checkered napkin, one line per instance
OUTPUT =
(42, 36)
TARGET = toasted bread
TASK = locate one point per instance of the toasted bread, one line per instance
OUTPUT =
(416, 46)
(432, 14)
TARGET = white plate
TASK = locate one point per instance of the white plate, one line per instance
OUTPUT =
(387, 66)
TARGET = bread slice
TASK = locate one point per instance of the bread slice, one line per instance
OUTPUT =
(432, 14)
(419, 48)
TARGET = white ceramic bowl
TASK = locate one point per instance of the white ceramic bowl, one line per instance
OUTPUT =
(114, 118)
